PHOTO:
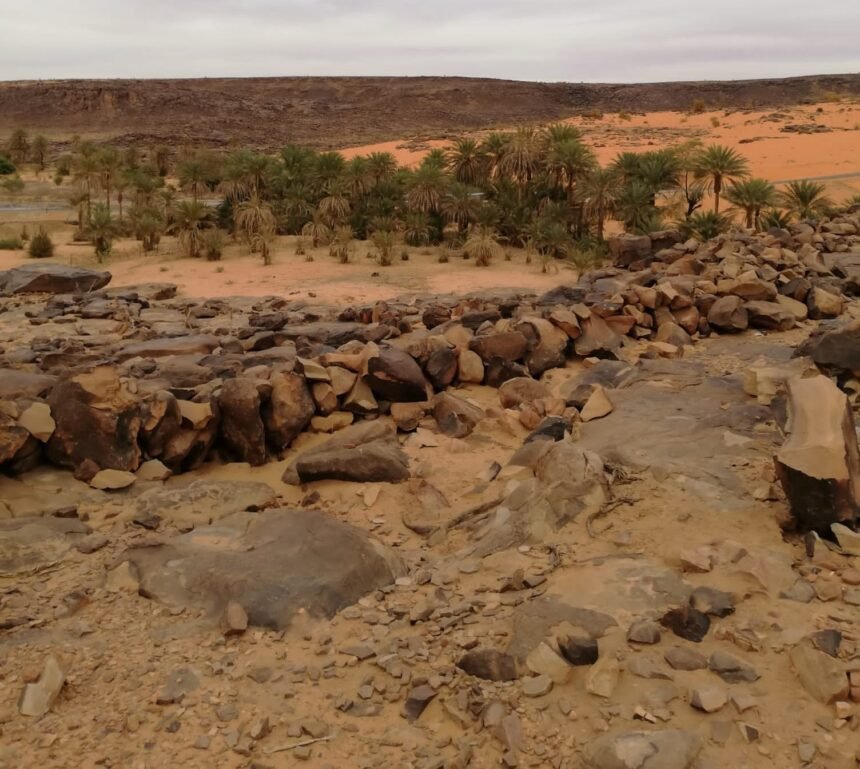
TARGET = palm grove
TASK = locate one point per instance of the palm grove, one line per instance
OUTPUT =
(540, 190)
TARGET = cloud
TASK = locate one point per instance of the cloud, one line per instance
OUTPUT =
(606, 40)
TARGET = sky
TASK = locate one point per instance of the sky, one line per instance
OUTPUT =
(551, 40)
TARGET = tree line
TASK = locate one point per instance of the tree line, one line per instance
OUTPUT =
(542, 190)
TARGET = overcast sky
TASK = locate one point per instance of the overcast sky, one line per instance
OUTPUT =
(551, 40)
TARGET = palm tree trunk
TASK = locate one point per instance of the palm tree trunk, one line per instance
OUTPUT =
(119, 200)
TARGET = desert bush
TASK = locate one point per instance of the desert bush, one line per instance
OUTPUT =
(483, 247)
(404, 254)
(301, 249)
(11, 244)
(593, 114)
(25, 235)
(715, 122)
(704, 225)
(41, 245)
(832, 97)
(13, 184)
(7, 167)
(213, 244)
(384, 241)
(698, 106)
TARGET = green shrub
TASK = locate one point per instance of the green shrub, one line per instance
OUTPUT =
(11, 244)
(698, 106)
(41, 245)
(213, 244)
(6, 166)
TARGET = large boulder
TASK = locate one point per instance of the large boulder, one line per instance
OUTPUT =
(289, 410)
(273, 564)
(509, 346)
(834, 347)
(366, 452)
(241, 425)
(393, 375)
(771, 316)
(22, 384)
(97, 423)
(50, 278)
(627, 249)
(728, 314)
(548, 345)
(201, 344)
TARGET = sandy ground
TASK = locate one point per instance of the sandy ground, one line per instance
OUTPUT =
(772, 153)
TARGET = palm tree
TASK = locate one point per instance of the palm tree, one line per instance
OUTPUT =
(483, 247)
(193, 177)
(559, 133)
(382, 166)
(161, 158)
(416, 231)
(659, 171)
(120, 185)
(359, 176)
(568, 161)
(335, 203)
(494, 146)
(600, 193)
(720, 164)
(460, 205)
(147, 223)
(706, 225)
(189, 216)
(234, 180)
(752, 196)
(635, 207)
(435, 158)
(426, 188)
(109, 163)
(255, 218)
(522, 156)
(328, 167)
(467, 162)
(102, 229)
(805, 199)
(317, 229)
(19, 145)
(86, 172)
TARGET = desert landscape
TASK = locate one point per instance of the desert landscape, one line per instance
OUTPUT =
(516, 427)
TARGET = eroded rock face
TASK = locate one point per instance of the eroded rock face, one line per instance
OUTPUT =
(97, 423)
(289, 410)
(241, 425)
(395, 376)
(272, 564)
(50, 278)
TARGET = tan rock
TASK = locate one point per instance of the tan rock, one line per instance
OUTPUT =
(598, 405)
(544, 661)
(37, 698)
(36, 419)
(471, 367)
(112, 480)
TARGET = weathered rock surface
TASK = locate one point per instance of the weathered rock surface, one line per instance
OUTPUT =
(51, 278)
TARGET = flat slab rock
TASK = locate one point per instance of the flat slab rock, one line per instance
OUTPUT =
(204, 502)
(51, 278)
(272, 564)
(670, 749)
(28, 545)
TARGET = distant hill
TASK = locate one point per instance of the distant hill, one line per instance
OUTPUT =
(341, 111)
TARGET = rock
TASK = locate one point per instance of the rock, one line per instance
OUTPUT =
(234, 620)
(360, 399)
(441, 367)
(242, 429)
(366, 452)
(30, 544)
(644, 631)
(819, 464)
(603, 676)
(153, 470)
(673, 334)
(37, 698)
(417, 700)
(123, 578)
(407, 415)
(579, 651)
(91, 543)
(821, 675)
(798, 309)
(470, 367)
(731, 669)
(537, 686)
(598, 405)
(548, 347)
(566, 321)
(687, 623)
(455, 416)
(13, 439)
(342, 381)
(823, 304)
(22, 384)
(489, 665)
(728, 314)
(716, 603)
(848, 539)
(202, 502)
(272, 564)
(395, 376)
(646, 668)
(682, 658)
(331, 423)
(670, 749)
(288, 411)
(51, 278)
(179, 683)
(597, 338)
(771, 316)
(544, 661)
(510, 346)
(97, 420)
(708, 699)
(36, 419)
(163, 347)
(626, 249)
(520, 390)
(835, 348)
(112, 480)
